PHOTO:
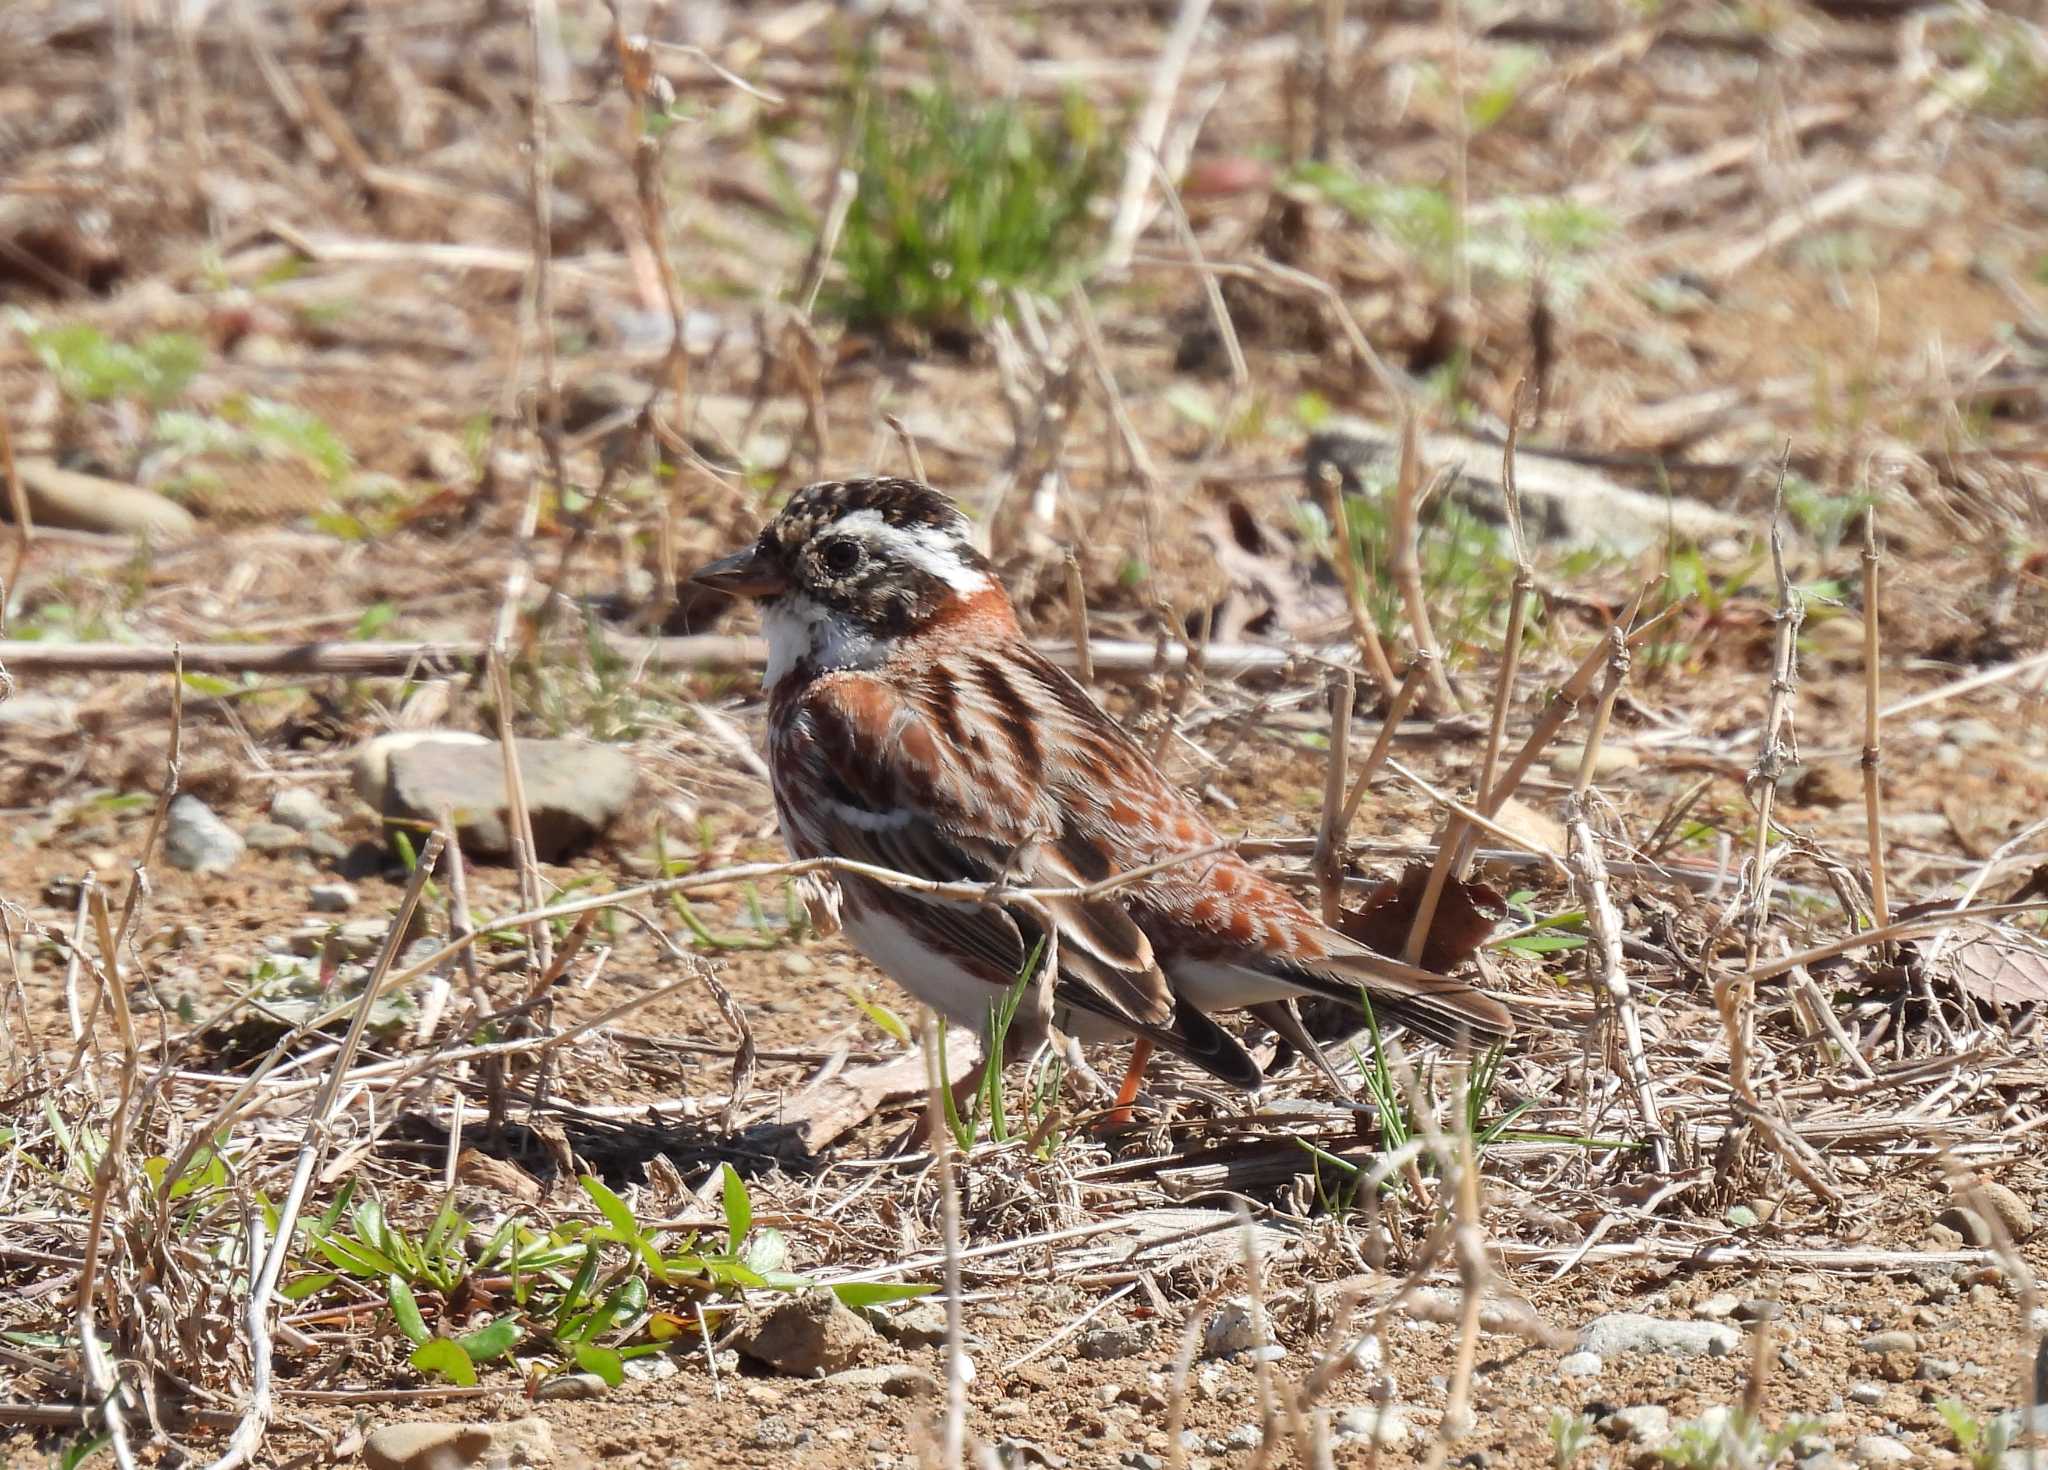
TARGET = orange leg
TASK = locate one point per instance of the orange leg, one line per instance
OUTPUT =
(1120, 1114)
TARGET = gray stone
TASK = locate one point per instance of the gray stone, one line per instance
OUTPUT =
(1967, 1223)
(1644, 1424)
(898, 1380)
(522, 1444)
(197, 840)
(1717, 1308)
(1879, 1344)
(773, 1432)
(1870, 1395)
(1244, 1437)
(574, 788)
(1877, 1449)
(1230, 1330)
(70, 498)
(301, 810)
(807, 1336)
(1385, 1425)
(1272, 1352)
(1936, 1370)
(1140, 1460)
(274, 837)
(1562, 502)
(331, 898)
(912, 1324)
(1636, 1332)
(1580, 1365)
(571, 1386)
(1109, 1339)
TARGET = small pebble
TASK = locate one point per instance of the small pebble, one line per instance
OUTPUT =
(198, 841)
(331, 898)
(1876, 1449)
(1936, 1370)
(2013, 1212)
(1870, 1395)
(1880, 1344)
(301, 810)
(1230, 1330)
(1635, 1332)
(1968, 1224)
(1644, 1424)
(1386, 1426)
(1244, 1437)
(1717, 1307)
(1580, 1365)
(571, 1386)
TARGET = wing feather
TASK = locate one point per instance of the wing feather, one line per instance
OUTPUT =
(893, 789)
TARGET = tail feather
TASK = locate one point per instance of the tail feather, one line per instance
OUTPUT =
(1196, 1038)
(1433, 1005)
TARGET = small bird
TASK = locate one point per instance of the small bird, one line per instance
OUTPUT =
(912, 726)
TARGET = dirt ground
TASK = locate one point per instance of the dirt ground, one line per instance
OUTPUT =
(1805, 236)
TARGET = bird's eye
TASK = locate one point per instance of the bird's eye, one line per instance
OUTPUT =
(840, 555)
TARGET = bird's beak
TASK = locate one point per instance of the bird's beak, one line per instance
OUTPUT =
(743, 574)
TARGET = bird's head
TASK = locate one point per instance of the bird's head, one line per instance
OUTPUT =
(850, 566)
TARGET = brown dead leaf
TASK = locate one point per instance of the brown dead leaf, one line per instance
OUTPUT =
(1466, 915)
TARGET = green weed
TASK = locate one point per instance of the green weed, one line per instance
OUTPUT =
(959, 201)
(582, 1294)
(1569, 1436)
(91, 369)
(1738, 1442)
(1982, 1442)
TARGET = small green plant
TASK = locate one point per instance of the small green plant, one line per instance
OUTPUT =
(1736, 1442)
(1541, 934)
(91, 369)
(1465, 575)
(1569, 1436)
(1507, 240)
(958, 201)
(581, 1294)
(1982, 1442)
(988, 1105)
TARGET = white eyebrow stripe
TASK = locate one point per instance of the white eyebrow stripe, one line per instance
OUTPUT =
(929, 549)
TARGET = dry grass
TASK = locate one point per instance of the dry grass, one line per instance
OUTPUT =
(554, 289)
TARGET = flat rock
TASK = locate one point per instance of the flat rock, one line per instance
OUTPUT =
(1644, 1424)
(2013, 1212)
(574, 788)
(522, 1444)
(1580, 1365)
(1563, 503)
(1877, 1449)
(1106, 1341)
(807, 1336)
(198, 841)
(1385, 1425)
(301, 810)
(331, 898)
(82, 502)
(1637, 1332)
(912, 1324)
(1231, 1329)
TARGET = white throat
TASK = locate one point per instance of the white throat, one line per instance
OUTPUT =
(799, 630)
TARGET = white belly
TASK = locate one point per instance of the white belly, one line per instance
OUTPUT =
(1211, 987)
(927, 973)
(941, 983)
